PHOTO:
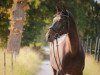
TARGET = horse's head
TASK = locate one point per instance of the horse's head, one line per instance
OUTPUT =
(59, 26)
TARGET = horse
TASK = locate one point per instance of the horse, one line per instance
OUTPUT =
(67, 55)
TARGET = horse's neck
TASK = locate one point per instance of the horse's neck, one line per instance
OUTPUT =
(74, 42)
(73, 36)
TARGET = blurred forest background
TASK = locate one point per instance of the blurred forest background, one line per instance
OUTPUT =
(40, 14)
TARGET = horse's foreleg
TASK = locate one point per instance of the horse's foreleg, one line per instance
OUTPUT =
(58, 73)
(54, 72)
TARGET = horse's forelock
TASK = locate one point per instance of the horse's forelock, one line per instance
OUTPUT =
(63, 12)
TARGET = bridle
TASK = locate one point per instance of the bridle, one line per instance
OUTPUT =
(58, 32)
(57, 35)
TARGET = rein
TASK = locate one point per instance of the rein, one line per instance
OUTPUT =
(60, 71)
(57, 35)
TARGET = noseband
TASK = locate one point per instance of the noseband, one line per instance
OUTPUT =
(57, 35)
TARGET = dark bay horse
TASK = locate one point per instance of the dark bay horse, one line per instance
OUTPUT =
(66, 53)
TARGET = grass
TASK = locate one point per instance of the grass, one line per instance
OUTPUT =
(26, 63)
(92, 67)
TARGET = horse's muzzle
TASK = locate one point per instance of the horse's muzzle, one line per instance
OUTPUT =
(49, 38)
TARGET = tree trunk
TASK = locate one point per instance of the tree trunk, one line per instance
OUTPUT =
(16, 28)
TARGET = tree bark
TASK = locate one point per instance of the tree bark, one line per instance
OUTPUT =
(16, 28)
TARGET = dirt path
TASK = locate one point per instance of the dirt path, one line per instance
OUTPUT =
(45, 68)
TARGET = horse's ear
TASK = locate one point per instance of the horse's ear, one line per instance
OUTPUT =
(58, 9)
(65, 12)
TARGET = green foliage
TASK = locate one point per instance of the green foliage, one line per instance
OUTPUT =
(93, 20)
(34, 25)
(37, 19)
(40, 14)
(4, 21)
(6, 3)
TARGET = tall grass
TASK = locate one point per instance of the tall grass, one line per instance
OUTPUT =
(26, 63)
(92, 67)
